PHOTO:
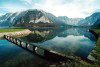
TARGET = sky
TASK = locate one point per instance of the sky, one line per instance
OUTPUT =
(69, 8)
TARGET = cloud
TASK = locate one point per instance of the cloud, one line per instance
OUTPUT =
(13, 8)
(28, 2)
(70, 8)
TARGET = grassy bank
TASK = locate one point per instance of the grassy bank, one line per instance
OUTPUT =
(10, 30)
(96, 51)
(96, 31)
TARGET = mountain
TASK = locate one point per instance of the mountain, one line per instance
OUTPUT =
(32, 17)
(63, 18)
(92, 20)
(9, 19)
(96, 24)
(5, 20)
(70, 21)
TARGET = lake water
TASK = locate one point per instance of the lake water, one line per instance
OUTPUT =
(67, 41)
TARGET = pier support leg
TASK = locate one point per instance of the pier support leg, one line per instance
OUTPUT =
(12, 40)
(21, 43)
(16, 41)
(27, 45)
(34, 48)
(7, 37)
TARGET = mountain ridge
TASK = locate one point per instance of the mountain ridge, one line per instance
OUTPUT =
(70, 21)
(90, 20)
(35, 18)
(32, 16)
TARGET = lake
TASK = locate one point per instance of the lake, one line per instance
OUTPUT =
(66, 41)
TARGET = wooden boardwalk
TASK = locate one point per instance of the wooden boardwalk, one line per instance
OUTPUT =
(45, 53)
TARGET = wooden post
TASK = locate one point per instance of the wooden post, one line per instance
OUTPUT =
(4, 36)
(13, 40)
(34, 48)
(27, 45)
(21, 43)
(8, 37)
(16, 41)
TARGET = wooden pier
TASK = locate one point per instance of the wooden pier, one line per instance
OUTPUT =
(45, 53)
(22, 44)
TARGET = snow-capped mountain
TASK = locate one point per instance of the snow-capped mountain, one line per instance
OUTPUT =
(92, 20)
(70, 21)
(32, 16)
(10, 18)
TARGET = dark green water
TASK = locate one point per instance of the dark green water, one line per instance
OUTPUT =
(71, 41)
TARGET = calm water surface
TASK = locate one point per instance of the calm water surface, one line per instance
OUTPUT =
(70, 41)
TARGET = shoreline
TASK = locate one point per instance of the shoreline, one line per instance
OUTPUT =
(96, 51)
(18, 33)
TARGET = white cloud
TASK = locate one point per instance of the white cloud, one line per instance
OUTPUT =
(13, 8)
(70, 8)
(28, 2)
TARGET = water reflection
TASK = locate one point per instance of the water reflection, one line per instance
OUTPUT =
(70, 41)
(70, 45)
(13, 56)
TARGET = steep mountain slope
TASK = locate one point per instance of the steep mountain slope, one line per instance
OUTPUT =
(70, 21)
(91, 20)
(74, 21)
(4, 20)
(10, 18)
(55, 19)
(32, 17)
(97, 23)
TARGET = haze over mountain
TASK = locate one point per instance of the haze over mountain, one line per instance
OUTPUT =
(92, 20)
(70, 21)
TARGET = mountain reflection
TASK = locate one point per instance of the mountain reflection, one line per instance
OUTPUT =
(70, 41)
(41, 35)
